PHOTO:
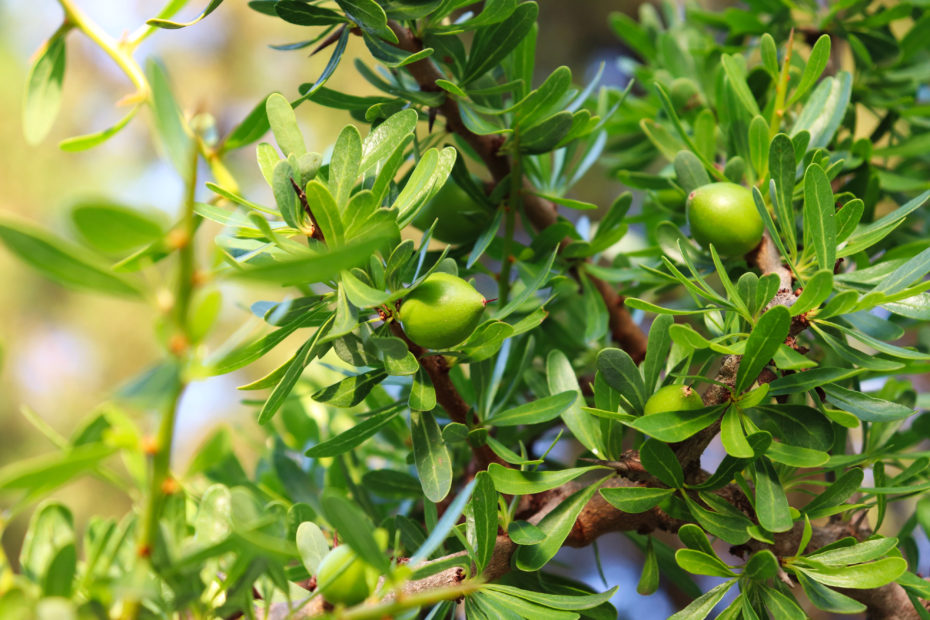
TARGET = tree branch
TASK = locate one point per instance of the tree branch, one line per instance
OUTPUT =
(541, 212)
(447, 395)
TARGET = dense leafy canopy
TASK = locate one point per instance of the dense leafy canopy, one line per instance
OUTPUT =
(481, 462)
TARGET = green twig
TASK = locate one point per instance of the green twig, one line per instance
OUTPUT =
(108, 44)
(513, 207)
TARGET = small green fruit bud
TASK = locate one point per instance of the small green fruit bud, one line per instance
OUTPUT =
(442, 311)
(724, 214)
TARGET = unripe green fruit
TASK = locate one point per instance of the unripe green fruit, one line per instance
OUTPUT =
(344, 578)
(724, 214)
(443, 311)
(673, 398)
(459, 219)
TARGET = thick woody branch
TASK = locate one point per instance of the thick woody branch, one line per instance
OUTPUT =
(447, 395)
(541, 212)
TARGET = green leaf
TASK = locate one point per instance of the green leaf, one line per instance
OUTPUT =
(783, 168)
(525, 533)
(355, 436)
(657, 350)
(772, 508)
(557, 525)
(171, 25)
(816, 63)
(351, 390)
(865, 406)
(86, 141)
(736, 75)
(48, 555)
(621, 373)
(422, 393)
(43, 89)
(816, 291)
(635, 499)
(360, 294)
(62, 262)
(857, 553)
(905, 275)
(700, 563)
(660, 461)
(344, 164)
(544, 136)
(169, 123)
(672, 426)
(860, 576)
(731, 527)
(486, 340)
(493, 43)
(824, 110)
(539, 275)
(826, 599)
(690, 171)
(649, 579)
(318, 266)
(819, 216)
(484, 507)
(573, 602)
(761, 566)
(797, 425)
(114, 229)
(759, 145)
(354, 529)
(370, 17)
(769, 332)
(312, 546)
(868, 235)
(283, 124)
(808, 380)
(295, 369)
(781, 605)
(303, 14)
(834, 494)
(516, 482)
(701, 607)
(694, 537)
(386, 137)
(434, 464)
(49, 471)
(732, 435)
(536, 411)
(561, 378)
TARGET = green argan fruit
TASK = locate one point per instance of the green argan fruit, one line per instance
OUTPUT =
(443, 311)
(724, 214)
(673, 398)
(459, 219)
(344, 578)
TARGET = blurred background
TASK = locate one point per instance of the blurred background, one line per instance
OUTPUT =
(62, 353)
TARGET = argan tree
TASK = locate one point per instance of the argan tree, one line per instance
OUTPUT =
(515, 378)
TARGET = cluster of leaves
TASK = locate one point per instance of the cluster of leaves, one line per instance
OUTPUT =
(444, 449)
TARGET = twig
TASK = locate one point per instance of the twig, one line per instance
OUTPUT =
(315, 232)
(447, 395)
